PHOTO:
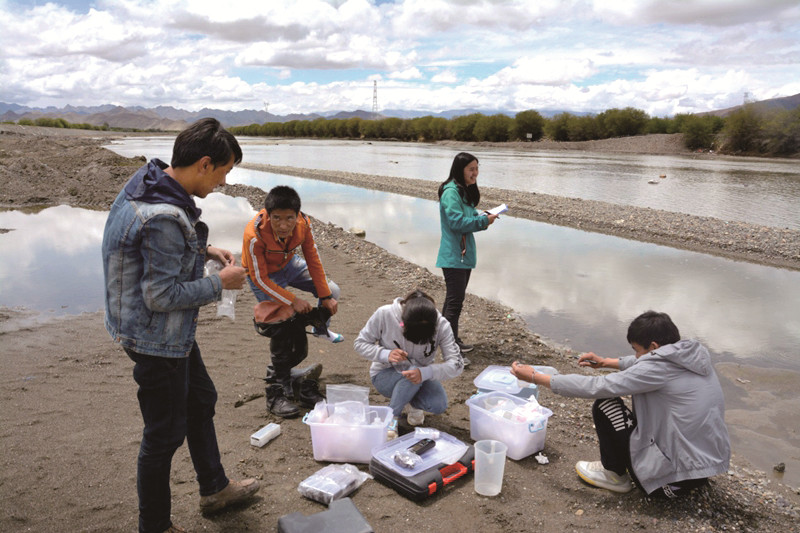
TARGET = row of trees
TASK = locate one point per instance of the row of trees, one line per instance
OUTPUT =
(747, 130)
(47, 122)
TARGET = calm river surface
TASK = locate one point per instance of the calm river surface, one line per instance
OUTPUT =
(575, 288)
(756, 190)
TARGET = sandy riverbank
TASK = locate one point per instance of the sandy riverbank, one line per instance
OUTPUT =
(71, 424)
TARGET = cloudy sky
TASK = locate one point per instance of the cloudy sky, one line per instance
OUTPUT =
(663, 57)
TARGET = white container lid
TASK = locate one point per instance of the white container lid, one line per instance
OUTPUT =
(499, 378)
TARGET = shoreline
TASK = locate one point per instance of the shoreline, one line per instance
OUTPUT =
(54, 374)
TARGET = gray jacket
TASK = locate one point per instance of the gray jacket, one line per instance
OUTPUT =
(383, 333)
(680, 412)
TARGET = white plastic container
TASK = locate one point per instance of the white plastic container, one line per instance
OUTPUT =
(347, 443)
(265, 434)
(522, 438)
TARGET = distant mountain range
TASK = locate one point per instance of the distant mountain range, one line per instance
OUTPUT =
(168, 118)
(785, 102)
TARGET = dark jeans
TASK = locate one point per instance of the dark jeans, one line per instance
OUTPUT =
(455, 280)
(614, 423)
(176, 398)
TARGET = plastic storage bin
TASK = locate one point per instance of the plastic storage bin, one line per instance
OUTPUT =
(347, 443)
(522, 438)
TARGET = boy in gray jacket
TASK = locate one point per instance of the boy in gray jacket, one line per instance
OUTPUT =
(675, 438)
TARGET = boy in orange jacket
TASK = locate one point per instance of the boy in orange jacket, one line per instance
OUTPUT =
(270, 241)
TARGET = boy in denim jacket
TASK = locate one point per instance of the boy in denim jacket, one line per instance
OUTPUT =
(154, 249)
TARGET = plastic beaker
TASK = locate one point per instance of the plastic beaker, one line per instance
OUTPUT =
(490, 462)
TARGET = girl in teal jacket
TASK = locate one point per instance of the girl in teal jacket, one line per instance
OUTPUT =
(458, 198)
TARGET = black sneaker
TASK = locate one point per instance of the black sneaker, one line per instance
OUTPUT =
(465, 348)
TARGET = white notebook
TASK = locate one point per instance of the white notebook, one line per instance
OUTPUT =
(502, 208)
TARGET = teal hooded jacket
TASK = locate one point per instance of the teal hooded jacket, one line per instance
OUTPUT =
(458, 221)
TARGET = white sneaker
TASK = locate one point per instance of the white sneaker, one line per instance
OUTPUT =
(331, 336)
(593, 473)
(416, 417)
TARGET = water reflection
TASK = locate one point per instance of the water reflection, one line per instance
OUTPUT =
(577, 287)
(574, 287)
(52, 258)
(756, 190)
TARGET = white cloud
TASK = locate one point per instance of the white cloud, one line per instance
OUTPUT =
(697, 12)
(412, 73)
(544, 71)
(445, 76)
(582, 55)
(421, 17)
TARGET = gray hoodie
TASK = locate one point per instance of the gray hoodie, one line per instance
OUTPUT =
(680, 412)
(383, 333)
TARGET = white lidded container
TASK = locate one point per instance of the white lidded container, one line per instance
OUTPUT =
(491, 418)
(500, 379)
(339, 442)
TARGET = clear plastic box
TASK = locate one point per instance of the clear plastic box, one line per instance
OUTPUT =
(499, 378)
(523, 438)
(448, 450)
(347, 443)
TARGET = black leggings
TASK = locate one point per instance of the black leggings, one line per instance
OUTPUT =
(614, 423)
(455, 280)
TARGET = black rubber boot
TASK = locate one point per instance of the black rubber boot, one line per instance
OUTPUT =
(307, 392)
(310, 372)
(278, 404)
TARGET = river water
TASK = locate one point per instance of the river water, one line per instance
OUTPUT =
(755, 190)
(576, 288)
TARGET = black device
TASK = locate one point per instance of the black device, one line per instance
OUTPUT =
(422, 446)
(410, 457)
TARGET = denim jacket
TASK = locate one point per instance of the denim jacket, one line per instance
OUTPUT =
(153, 258)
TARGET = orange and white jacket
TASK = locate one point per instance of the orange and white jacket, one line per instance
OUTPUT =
(263, 254)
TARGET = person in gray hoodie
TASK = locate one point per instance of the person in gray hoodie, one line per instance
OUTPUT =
(675, 437)
(401, 339)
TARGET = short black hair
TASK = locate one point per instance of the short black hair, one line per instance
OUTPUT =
(206, 137)
(419, 317)
(652, 326)
(282, 197)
